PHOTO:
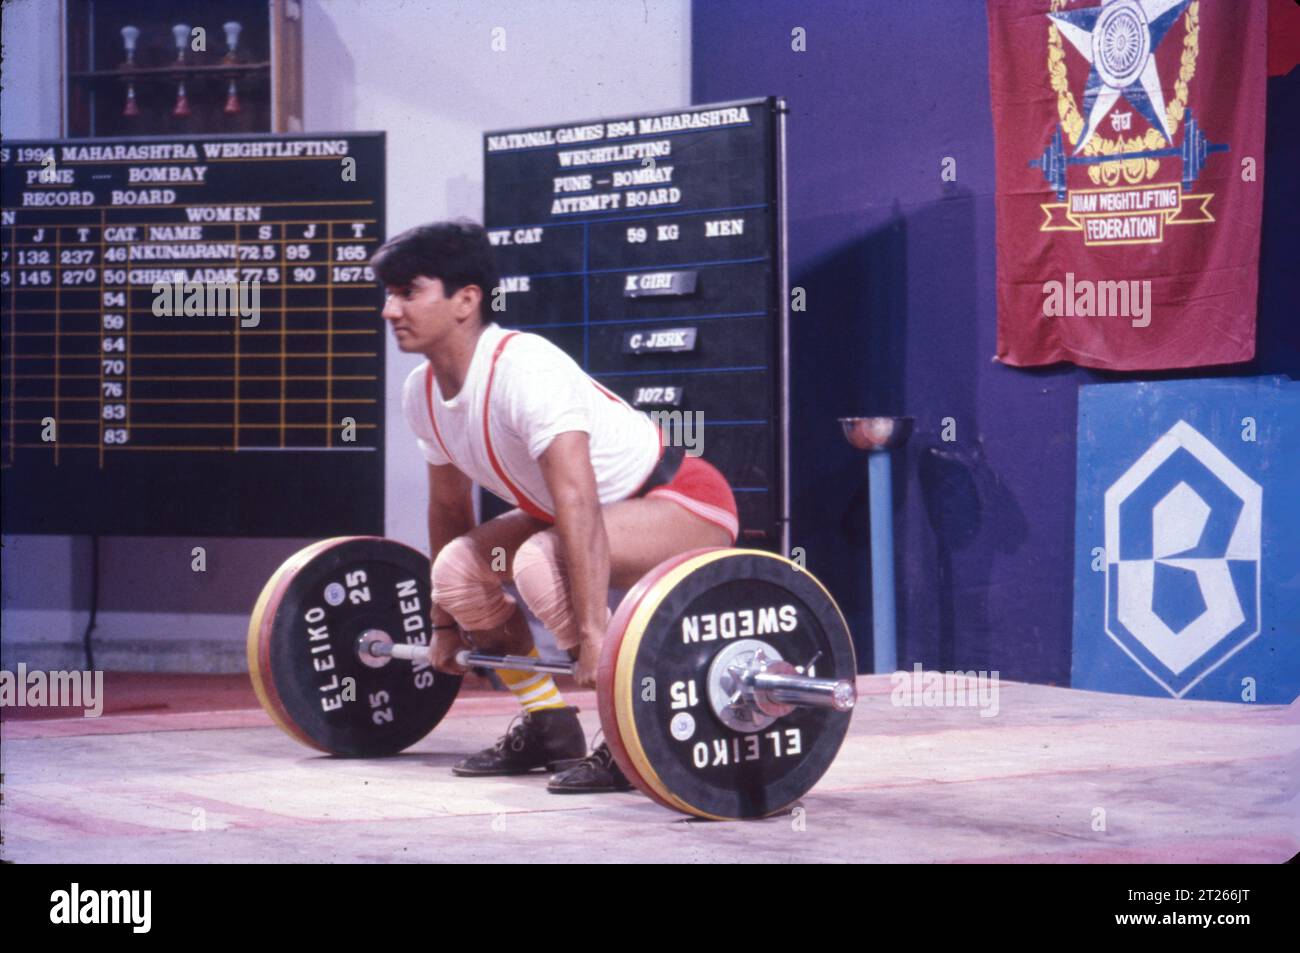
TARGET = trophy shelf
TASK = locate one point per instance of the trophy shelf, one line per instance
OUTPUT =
(135, 68)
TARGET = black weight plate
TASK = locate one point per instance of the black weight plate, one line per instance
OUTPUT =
(302, 648)
(716, 771)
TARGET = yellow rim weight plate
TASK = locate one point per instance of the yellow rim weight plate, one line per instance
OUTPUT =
(259, 630)
(738, 790)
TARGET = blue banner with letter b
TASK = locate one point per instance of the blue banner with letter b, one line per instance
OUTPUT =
(1187, 537)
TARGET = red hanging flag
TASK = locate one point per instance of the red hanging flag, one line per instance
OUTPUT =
(1130, 167)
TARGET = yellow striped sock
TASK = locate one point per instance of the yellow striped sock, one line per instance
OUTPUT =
(534, 690)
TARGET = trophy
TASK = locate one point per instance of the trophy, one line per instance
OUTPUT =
(181, 33)
(129, 35)
(182, 108)
(232, 29)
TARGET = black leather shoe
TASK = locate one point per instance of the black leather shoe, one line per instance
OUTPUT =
(594, 774)
(551, 739)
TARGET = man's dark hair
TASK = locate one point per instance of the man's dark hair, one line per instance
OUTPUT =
(457, 253)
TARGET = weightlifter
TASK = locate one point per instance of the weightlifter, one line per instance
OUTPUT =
(598, 500)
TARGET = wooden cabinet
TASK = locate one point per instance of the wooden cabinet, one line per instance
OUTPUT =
(157, 91)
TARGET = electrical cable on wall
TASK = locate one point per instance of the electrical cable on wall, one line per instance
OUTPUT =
(94, 603)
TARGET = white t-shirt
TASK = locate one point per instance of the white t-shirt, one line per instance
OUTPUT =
(534, 392)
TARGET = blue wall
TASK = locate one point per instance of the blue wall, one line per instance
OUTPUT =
(898, 267)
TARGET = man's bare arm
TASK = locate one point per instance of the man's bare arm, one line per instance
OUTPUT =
(451, 514)
(566, 467)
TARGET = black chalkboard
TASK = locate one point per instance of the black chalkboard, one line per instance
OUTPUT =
(649, 248)
(141, 393)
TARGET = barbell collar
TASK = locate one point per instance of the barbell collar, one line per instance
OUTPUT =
(839, 694)
(377, 646)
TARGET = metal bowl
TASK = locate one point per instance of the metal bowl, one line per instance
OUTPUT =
(877, 433)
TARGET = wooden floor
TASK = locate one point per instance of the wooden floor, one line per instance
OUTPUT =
(1056, 775)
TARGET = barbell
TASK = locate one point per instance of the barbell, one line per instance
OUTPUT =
(708, 683)
(1196, 148)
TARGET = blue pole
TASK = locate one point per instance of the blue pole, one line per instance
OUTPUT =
(883, 617)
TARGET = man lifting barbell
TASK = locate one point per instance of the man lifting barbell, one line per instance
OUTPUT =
(599, 501)
(724, 686)
(724, 682)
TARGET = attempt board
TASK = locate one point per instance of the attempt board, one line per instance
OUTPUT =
(650, 249)
(122, 418)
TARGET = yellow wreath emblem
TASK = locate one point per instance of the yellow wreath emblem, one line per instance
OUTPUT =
(1134, 171)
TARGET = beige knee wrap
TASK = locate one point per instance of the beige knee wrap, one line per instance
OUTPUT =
(465, 585)
(543, 584)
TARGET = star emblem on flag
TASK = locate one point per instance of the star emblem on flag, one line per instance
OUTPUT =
(1119, 39)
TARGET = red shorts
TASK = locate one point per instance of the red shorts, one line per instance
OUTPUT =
(701, 489)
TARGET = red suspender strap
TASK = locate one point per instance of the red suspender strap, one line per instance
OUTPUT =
(607, 392)
(428, 396)
(525, 504)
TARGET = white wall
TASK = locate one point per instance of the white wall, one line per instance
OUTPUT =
(29, 103)
(425, 72)
(428, 73)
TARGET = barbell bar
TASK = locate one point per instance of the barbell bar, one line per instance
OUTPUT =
(768, 684)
